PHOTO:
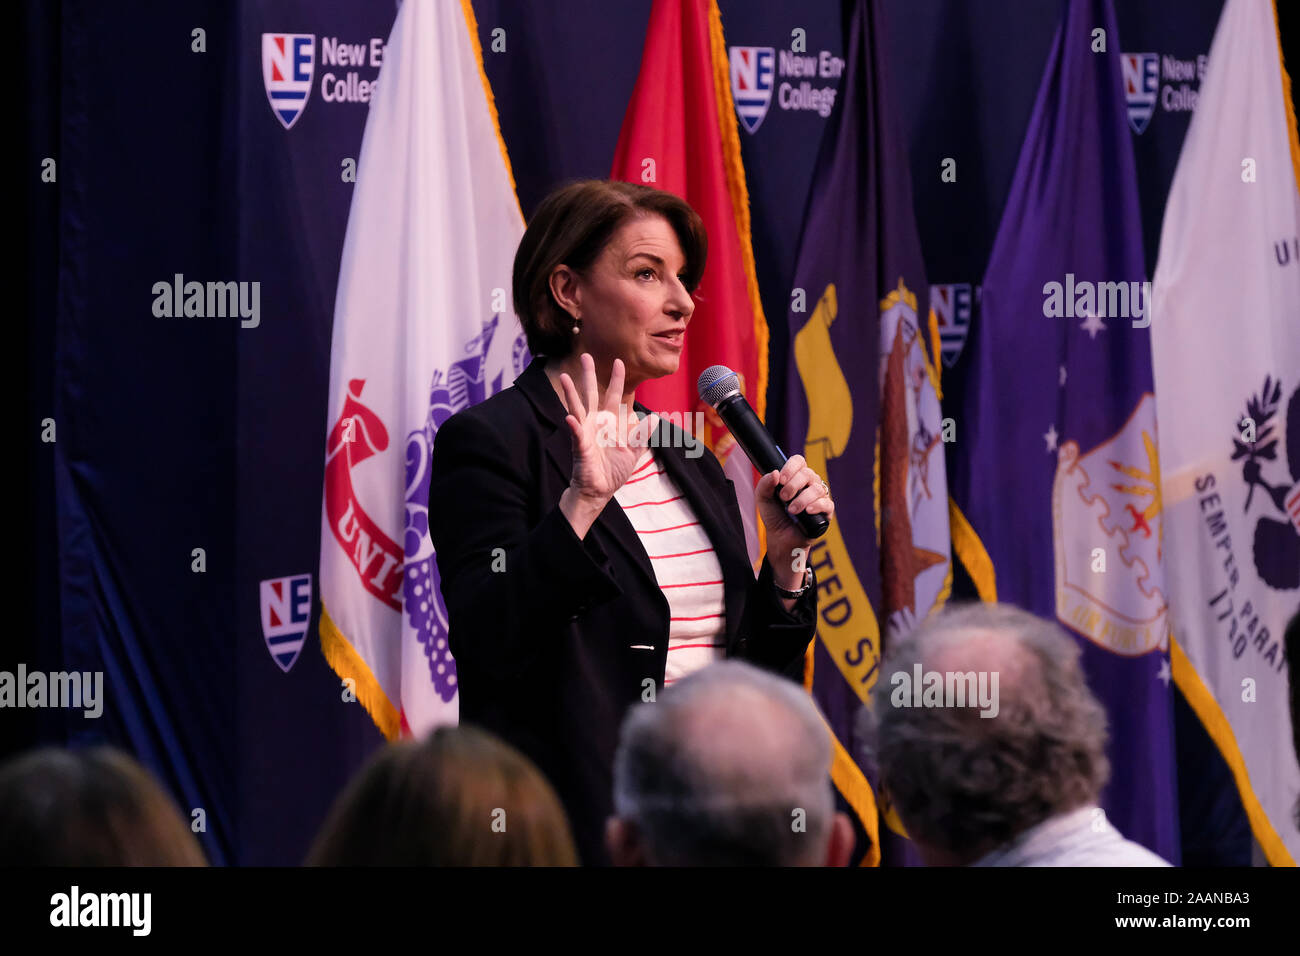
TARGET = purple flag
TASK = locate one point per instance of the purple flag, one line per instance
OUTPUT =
(863, 408)
(1055, 461)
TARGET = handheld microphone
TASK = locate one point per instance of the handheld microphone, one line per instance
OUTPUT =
(719, 387)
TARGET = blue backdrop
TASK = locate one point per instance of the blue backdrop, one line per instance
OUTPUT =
(181, 434)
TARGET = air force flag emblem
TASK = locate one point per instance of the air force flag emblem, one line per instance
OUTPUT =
(288, 60)
(753, 72)
(1141, 84)
(286, 612)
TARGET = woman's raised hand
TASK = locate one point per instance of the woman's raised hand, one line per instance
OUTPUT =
(608, 438)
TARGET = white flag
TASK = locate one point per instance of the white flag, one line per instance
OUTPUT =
(1226, 342)
(423, 327)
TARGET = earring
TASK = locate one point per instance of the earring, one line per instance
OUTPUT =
(577, 326)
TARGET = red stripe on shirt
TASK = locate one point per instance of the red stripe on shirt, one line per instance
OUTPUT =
(633, 481)
(655, 557)
(644, 503)
(691, 584)
(689, 524)
(703, 617)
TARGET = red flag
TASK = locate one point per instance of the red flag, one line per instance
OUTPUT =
(680, 135)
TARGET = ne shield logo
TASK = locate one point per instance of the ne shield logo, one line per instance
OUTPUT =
(753, 72)
(286, 612)
(1141, 83)
(288, 60)
(951, 304)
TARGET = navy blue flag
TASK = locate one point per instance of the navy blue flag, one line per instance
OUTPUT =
(1055, 461)
(863, 408)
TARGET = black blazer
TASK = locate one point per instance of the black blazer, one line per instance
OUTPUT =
(543, 625)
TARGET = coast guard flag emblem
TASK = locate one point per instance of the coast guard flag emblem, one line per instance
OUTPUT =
(288, 60)
(752, 72)
(1141, 83)
(286, 612)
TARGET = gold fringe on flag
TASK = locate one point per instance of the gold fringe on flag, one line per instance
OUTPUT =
(350, 665)
(739, 190)
(1286, 99)
(1207, 710)
(472, 24)
(969, 549)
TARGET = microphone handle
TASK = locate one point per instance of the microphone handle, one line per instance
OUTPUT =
(766, 455)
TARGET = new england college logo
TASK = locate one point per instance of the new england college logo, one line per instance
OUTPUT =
(286, 611)
(951, 305)
(753, 72)
(1277, 541)
(1141, 84)
(288, 60)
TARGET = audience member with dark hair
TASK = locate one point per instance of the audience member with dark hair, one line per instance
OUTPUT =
(1012, 784)
(89, 808)
(459, 797)
(731, 767)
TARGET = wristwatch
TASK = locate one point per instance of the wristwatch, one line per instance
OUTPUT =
(791, 595)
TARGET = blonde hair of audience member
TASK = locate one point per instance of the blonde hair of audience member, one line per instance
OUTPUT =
(459, 797)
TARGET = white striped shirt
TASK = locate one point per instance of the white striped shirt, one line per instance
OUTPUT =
(685, 565)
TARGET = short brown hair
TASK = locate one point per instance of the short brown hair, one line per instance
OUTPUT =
(571, 227)
(95, 807)
(434, 802)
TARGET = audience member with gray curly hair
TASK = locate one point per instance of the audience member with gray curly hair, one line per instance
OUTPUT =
(730, 767)
(1017, 786)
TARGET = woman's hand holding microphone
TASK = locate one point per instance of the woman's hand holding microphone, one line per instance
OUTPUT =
(801, 489)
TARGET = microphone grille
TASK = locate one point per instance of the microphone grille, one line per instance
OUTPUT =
(715, 383)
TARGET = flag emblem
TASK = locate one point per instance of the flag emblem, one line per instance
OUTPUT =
(286, 612)
(753, 72)
(1108, 531)
(913, 484)
(1277, 536)
(288, 60)
(951, 305)
(359, 434)
(467, 382)
(1141, 83)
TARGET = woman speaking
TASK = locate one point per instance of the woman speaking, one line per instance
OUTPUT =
(586, 561)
